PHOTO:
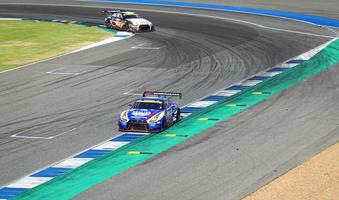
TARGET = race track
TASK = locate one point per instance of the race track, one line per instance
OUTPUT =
(195, 55)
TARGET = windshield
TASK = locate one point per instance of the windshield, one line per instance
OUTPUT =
(130, 16)
(147, 105)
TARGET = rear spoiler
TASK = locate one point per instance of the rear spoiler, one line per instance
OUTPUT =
(113, 11)
(164, 94)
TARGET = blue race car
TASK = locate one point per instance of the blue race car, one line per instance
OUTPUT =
(153, 112)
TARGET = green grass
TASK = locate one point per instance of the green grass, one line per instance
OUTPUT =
(24, 42)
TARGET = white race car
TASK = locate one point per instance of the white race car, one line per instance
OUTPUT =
(127, 21)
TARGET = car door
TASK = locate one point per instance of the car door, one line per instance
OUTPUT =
(115, 20)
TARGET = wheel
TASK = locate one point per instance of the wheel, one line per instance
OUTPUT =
(164, 125)
(177, 115)
(125, 27)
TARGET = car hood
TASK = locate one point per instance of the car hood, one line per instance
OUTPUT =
(141, 114)
(139, 21)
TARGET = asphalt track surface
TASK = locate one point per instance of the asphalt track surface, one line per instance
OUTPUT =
(191, 54)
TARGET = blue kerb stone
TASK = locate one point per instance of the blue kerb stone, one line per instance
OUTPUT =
(6, 192)
(190, 109)
(127, 137)
(277, 69)
(213, 98)
(92, 153)
(51, 172)
(259, 78)
(295, 61)
(238, 87)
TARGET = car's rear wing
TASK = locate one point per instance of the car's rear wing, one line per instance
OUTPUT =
(113, 11)
(163, 94)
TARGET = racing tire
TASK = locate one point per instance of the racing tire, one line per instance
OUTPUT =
(164, 125)
(177, 117)
(125, 28)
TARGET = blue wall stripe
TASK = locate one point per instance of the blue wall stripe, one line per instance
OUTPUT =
(92, 153)
(238, 87)
(278, 69)
(290, 15)
(51, 172)
(213, 98)
(6, 193)
(259, 78)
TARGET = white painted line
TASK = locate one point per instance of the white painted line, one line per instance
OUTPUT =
(62, 73)
(106, 41)
(142, 46)
(73, 162)
(71, 130)
(29, 182)
(288, 65)
(110, 145)
(10, 19)
(201, 104)
(31, 137)
(132, 94)
(185, 114)
(228, 93)
(55, 72)
(270, 74)
(17, 135)
(250, 82)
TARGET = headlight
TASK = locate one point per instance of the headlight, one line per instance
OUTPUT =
(155, 118)
(123, 116)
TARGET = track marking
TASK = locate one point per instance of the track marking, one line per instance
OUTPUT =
(55, 72)
(142, 46)
(131, 94)
(17, 135)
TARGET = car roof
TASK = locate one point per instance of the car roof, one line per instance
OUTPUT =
(129, 13)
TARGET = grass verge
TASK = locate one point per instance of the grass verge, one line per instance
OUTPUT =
(24, 42)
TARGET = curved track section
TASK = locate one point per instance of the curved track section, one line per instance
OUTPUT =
(192, 54)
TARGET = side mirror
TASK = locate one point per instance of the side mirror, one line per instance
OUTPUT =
(130, 105)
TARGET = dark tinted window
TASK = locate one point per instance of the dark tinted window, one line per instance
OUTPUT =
(147, 105)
